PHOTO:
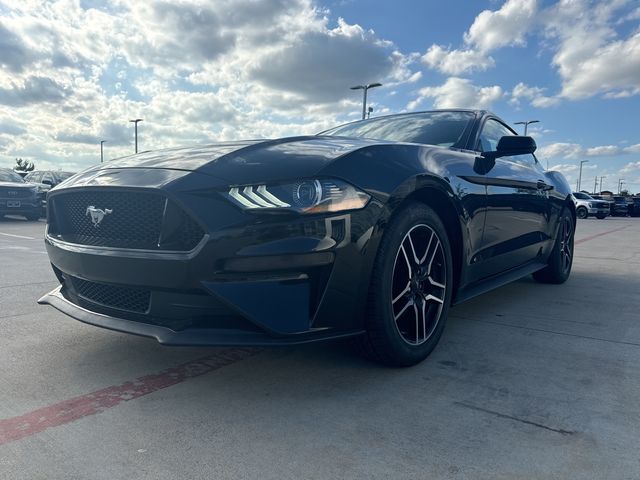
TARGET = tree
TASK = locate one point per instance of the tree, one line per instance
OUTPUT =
(24, 165)
(625, 193)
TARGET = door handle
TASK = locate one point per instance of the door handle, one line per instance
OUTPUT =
(544, 186)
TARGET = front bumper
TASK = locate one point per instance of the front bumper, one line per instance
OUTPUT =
(26, 206)
(189, 337)
(252, 280)
(599, 211)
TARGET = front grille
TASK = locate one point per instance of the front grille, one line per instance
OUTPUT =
(11, 193)
(123, 219)
(130, 299)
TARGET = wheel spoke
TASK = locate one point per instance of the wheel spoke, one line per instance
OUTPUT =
(433, 255)
(413, 250)
(430, 297)
(436, 284)
(408, 304)
(426, 252)
(424, 321)
(402, 293)
(415, 310)
(404, 253)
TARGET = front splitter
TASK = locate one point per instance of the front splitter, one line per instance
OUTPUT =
(189, 337)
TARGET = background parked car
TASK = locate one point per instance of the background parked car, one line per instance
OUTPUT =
(588, 206)
(18, 197)
(619, 208)
(635, 210)
(45, 180)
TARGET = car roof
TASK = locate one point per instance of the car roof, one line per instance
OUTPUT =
(403, 114)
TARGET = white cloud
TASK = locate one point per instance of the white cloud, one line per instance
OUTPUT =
(589, 55)
(571, 168)
(632, 167)
(560, 150)
(590, 58)
(534, 94)
(504, 27)
(458, 93)
(491, 29)
(321, 63)
(195, 70)
(574, 150)
(455, 62)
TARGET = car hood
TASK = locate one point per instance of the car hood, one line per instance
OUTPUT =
(246, 161)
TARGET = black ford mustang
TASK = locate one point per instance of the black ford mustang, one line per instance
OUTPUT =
(371, 230)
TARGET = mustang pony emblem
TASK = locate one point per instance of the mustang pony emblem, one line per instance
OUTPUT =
(97, 214)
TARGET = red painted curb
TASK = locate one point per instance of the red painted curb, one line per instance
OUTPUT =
(586, 239)
(36, 421)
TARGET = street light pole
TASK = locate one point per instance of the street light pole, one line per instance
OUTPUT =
(526, 124)
(364, 89)
(620, 182)
(601, 179)
(135, 122)
(580, 175)
(102, 142)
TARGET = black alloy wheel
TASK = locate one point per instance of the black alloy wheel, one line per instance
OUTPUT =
(410, 289)
(418, 284)
(560, 260)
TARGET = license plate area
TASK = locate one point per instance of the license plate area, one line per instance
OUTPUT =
(13, 203)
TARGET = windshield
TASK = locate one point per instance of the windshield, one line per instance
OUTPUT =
(65, 175)
(582, 196)
(9, 176)
(434, 128)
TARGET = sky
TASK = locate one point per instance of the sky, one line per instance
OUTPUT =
(74, 72)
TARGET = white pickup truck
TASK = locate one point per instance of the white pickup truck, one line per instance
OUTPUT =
(587, 206)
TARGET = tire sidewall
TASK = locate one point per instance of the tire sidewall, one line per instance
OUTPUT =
(582, 212)
(556, 261)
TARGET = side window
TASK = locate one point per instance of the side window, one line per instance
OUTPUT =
(35, 177)
(491, 134)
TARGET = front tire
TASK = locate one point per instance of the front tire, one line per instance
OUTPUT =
(600, 217)
(410, 289)
(32, 216)
(581, 212)
(560, 261)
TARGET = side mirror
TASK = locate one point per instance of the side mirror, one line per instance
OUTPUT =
(512, 145)
(47, 182)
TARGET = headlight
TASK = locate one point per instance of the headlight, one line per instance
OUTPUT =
(304, 196)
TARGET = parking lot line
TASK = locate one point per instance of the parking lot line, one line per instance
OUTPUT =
(72, 409)
(17, 236)
(586, 239)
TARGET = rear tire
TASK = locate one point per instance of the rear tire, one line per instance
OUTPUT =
(560, 261)
(32, 216)
(600, 217)
(410, 289)
(582, 212)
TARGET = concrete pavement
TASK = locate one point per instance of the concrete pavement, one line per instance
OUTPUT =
(529, 381)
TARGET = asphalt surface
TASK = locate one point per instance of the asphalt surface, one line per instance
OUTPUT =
(528, 381)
